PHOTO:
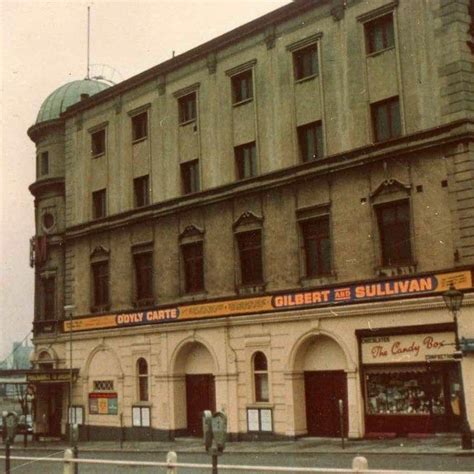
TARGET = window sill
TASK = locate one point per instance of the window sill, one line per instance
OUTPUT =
(260, 405)
(187, 122)
(318, 280)
(139, 140)
(191, 192)
(144, 303)
(250, 289)
(396, 270)
(196, 296)
(386, 140)
(242, 102)
(98, 155)
(245, 177)
(306, 78)
(380, 51)
(100, 309)
(142, 404)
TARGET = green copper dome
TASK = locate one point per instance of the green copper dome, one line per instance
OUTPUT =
(67, 95)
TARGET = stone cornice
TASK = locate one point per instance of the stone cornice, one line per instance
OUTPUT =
(47, 185)
(462, 130)
(37, 130)
(252, 28)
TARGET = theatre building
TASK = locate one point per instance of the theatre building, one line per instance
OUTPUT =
(264, 225)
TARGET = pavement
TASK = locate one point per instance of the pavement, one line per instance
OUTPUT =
(435, 445)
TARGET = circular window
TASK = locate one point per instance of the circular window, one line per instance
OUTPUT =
(48, 220)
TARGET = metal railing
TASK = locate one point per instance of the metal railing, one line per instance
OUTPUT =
(359, 465)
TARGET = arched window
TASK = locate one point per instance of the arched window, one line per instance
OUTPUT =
(142, 371)
(260, 373)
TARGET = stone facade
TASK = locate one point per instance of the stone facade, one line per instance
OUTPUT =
(426, 67)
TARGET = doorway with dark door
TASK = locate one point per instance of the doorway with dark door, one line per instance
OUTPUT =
(200, 396)
(323, 390)
(55, 409)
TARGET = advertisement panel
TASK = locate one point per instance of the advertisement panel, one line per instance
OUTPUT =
(428, 347)
(355, 293)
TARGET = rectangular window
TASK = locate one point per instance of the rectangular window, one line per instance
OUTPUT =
(141, 416)
(379, 34)
(99, 208)
(242, 87)
(44, 163)
(141, 191)
(98, 143)
(143, 263)
(49, 297)
(246, 160)
(100, 280)
(193, 267)
(317, 246)
(305, 62)
(187, 108)
(386, 119)
(394, 227)
(140, 126)
(190, 176)
(310, 139)
(250, 254)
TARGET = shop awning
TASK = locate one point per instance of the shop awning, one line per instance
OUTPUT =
(51, 376)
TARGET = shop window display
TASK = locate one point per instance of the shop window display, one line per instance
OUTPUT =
(405, 393)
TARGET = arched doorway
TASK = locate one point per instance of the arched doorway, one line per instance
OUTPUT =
(195, 388)
(325, 384)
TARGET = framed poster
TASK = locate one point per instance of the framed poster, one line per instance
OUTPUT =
(252, 420)
(266, 421)
(76, 415)
(103, 403)
(259, 420)
(141, 416)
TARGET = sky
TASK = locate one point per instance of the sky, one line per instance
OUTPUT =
(43, 45)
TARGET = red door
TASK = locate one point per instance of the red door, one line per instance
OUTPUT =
(200, 396)
(323, 391)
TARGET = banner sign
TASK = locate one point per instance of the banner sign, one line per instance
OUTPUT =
(363, 292)
(51, 377)
(429, 347)
(103, 403)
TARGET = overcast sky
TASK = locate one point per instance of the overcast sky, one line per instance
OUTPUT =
(43, 46)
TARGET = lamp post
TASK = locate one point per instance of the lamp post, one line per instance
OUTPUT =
(68, 310)
(453, 301)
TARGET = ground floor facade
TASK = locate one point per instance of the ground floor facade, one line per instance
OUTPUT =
(376, 368)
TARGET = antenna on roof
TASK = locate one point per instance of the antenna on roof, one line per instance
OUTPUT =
(88, 40)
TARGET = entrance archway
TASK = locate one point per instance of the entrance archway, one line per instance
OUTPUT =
(323, 364)
(194, 392)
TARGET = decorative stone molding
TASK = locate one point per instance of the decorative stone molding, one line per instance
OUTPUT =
(211, 62)
(304, 42)
(186, 90)
(191, 232)
(241, 68)
(270, 36)
(373, 14)
(248, 218)
(100, 252)
(161, 84)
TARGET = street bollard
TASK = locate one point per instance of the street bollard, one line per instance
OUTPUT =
(68, 466)
(171, 458)
(7, 456)
(360, 464)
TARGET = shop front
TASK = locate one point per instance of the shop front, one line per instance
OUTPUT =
(410, 380)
